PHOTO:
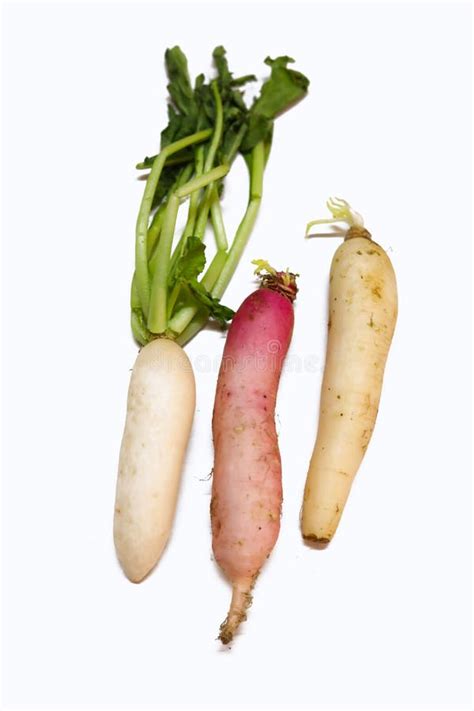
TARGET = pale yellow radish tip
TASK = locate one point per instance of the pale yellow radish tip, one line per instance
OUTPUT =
(341, 211)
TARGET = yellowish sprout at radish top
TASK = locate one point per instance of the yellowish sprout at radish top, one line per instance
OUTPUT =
(341, 212)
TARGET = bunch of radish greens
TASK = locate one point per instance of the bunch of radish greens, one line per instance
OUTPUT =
(175, 290)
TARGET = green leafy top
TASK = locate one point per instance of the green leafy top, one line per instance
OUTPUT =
(209, 124)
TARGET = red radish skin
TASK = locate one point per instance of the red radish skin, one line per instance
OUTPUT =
(247, 489)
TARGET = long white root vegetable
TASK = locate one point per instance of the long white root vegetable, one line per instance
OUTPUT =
(362, 317)
(160, 410)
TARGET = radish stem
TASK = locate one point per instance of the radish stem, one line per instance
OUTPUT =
(214, 269)
(157, 221)
(209, 162)
(157, 311)
(256, 165)
(218, 221)
(218, 126)
(202, 181)
(192, 212)
(141, 261)
(157, 318)
(139, 330)
(248, 221)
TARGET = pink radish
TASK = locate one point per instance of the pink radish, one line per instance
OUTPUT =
(247, 489)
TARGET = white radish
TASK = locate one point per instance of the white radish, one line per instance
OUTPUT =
(362, 317)
(160, 410)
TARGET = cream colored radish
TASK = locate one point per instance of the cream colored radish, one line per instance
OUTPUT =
(160, 410)
(362, 317)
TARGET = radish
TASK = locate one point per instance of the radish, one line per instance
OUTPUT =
(362, 317)
(161, 400)
(173, 295)
(247, 490)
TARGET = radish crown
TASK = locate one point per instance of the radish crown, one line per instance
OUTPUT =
(282, 282)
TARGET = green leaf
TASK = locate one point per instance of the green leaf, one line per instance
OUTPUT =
(192, 261)
(259, 129)
(222, 66)
(227, 84)
(179, 85)
(193, 109)
(284, 88)
(218, 311)
(240, 81)
(206, 109)
(185, 115)
(234, 107)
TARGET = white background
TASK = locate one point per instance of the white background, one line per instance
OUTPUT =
(380, 619)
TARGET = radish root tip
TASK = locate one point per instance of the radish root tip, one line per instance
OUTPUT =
(241, 601)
